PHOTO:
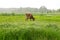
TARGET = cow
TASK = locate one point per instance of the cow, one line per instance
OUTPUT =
(29, 16)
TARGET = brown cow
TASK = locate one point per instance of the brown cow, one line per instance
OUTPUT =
(29, 16)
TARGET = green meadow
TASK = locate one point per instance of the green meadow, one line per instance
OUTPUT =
(45, 27)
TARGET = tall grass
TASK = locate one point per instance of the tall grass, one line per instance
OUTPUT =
(43, 28)
(33, 32)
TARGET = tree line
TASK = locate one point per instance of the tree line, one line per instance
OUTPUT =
(17, 11)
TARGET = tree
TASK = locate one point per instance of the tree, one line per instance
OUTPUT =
(43, 9)
(58, 10)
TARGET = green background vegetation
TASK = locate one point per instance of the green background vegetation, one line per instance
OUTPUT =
(14, 27)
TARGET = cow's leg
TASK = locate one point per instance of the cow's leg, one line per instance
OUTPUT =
(33, 19)
(30, 19)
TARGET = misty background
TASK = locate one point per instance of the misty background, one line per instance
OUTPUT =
(33, 6)
(42, 9)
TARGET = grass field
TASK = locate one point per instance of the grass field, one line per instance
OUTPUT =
(43, 28)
